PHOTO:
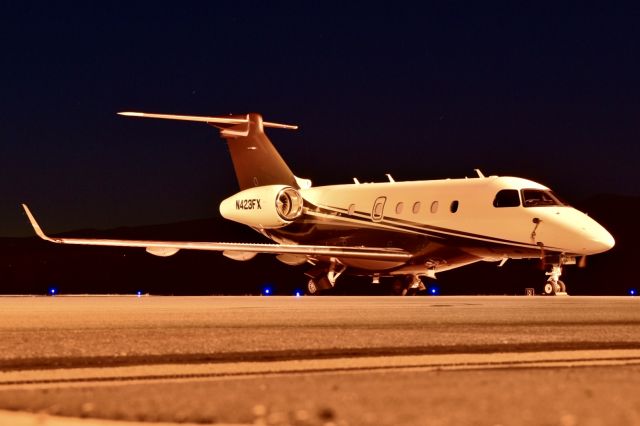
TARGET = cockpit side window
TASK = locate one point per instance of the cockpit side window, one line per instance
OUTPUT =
(507, 198)
(540, 198)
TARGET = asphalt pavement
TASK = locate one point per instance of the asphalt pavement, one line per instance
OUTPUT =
(323, 360)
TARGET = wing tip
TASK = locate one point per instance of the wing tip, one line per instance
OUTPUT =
(34, 224)
(280, 125)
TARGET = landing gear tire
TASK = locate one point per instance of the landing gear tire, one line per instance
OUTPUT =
(410, 292)
(549, 288)
(317, 286)
(397, 287)
(312, 288)
(560, 287)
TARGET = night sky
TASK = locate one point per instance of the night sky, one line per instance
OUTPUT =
(550, 93)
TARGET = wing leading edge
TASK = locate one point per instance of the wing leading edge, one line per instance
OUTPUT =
(167, 248)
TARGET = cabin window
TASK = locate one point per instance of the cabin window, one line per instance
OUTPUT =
(434, 207)
(507, 198)
(416, 207)
(540, 198)
(399, 207)
(352, 209)
(454, 206)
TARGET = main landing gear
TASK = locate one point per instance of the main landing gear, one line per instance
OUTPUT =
(405, 285)
(321, 279)
(317, 285)
(554, 286)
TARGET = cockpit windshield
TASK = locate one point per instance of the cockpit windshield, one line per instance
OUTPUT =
(507, 198)
(540, 198)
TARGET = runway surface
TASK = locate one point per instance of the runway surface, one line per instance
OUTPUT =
(324, 360)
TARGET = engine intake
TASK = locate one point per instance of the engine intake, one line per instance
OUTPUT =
(289, 203)
(265, 207)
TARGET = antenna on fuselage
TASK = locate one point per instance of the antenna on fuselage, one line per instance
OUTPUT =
(480, 174)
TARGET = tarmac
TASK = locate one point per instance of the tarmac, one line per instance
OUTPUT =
(320, 360)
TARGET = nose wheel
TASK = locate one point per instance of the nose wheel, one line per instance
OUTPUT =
(552, 289)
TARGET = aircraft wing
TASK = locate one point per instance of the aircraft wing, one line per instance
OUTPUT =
(167, 248)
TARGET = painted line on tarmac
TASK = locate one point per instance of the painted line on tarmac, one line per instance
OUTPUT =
(87, 377)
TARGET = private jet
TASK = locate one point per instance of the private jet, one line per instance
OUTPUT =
(399, 231)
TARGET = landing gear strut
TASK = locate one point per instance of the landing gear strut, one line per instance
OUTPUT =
(554, 285)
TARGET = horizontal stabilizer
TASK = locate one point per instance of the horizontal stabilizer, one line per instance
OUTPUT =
(229, 121)
(255, 160)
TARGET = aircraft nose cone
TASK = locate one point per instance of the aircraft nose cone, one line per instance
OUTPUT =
(575, 231)
(597, 241)
(604, 241)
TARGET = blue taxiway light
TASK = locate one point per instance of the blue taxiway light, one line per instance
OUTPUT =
(53, 291)
(298, 293)
(433, 291)
(632, 292)
(138, 293)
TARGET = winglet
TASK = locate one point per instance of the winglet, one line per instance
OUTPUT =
(35, 225)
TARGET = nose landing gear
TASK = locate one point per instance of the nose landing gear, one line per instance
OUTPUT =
(554, 286)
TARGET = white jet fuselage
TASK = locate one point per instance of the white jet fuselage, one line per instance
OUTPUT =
(443, 223)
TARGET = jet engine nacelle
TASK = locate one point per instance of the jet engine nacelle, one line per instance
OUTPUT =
(265, 207)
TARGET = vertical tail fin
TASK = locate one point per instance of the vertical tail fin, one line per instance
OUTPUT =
(255, 159)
